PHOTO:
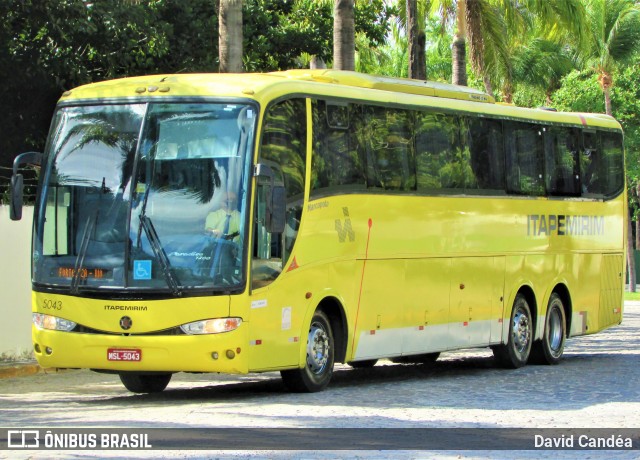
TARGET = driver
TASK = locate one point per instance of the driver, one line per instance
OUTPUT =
(225, 221)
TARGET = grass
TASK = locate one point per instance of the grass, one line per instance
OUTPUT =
(631, 295)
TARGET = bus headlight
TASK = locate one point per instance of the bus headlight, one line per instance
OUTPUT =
(211, 326)
(53, 323)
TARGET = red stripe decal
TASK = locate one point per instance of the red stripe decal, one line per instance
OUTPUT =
(583, 120)
(364, 264)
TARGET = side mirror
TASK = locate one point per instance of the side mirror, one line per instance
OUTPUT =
(275, 198)
(17, 182)
(15, 207)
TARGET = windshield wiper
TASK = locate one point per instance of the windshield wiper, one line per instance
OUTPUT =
(158, 250)
(84, 244)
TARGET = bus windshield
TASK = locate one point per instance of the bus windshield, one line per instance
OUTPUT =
(145, 197)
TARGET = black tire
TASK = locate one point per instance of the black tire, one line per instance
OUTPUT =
(549, 350)
(515, 352)
(145, 383)
(366, 364)
(318, 368)
(425, 358)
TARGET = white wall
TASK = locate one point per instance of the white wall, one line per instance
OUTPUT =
(15, 284)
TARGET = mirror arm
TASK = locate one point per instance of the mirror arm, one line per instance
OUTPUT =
(27, 158)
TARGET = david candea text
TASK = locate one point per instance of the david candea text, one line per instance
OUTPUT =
(564, 225)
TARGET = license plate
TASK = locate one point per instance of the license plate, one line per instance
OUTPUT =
(120, 354)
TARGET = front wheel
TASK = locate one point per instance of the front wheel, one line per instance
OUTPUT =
(318, 369)
(145, 383)
(515, 352)
(549, 350)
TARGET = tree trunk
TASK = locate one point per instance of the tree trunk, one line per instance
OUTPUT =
(344, 41)
(631, 265)
(230, 36)
(417, 43)
(637, 200)
(607, 101)
(317, 63)
(459, 48)
(488, 88)
(637, 233)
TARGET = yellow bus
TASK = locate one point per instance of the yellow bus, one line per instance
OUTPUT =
(292, 220)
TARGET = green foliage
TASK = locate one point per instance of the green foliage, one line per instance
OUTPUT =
(580, 92)
(277, 34)
(49, 46)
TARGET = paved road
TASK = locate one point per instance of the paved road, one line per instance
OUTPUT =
(596, 385)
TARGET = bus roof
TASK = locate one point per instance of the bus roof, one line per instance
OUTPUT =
(263, 87)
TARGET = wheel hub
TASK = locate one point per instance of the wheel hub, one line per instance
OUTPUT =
(521, 331)
(317, 349)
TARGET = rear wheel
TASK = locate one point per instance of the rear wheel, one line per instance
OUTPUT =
(318, 369)
(549, 350)
(515, 352)
(145, 383)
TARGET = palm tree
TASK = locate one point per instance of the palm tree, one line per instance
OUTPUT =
(417, 42)
(482, 23)
(230, 35)
(389, 59)
(488, 24)
(613, 40)
(538, 63)
(344, 48)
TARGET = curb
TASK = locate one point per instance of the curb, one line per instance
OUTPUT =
(23, 369)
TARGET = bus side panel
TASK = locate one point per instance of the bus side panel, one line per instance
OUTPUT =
(427, 305)
(586, 295)
(381, 310)
(473, 300)
(611, 290)
(276, 316)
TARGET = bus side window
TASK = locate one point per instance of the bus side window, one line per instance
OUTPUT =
(612, 163)
(283, 149)
(337, 164)
(561, 160)
(487, 153)
(589, 167)
(437, 138)
(390, 156)
(525, 158)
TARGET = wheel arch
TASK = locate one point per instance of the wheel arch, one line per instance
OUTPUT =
(529, 295)
(333, 308)
(563, 291)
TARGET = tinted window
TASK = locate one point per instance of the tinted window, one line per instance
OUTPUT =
(390, 149)
(611, 164)
(563, 172)
(338, 148)
(441, 161)
(486, 147)
(283, 148)
(524, 155)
